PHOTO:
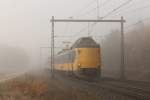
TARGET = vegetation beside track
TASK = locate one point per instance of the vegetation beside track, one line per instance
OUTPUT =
(39, 86)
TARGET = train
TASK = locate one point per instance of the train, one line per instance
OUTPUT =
(83, 59)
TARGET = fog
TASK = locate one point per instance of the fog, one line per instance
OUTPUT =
(26, 24)
(25, 27)
(13, 59)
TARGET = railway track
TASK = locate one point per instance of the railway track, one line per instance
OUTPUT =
(136, 90)
(129, 90)
(122, 87)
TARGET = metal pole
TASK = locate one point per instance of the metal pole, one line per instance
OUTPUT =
(122, 67)
(52, 48)
(98, 9)
(40, 57)
(88, 29)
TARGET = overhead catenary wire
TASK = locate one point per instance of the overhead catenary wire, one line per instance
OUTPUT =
(66, 27)
(134, 10)
(98, 7)
(120, 10)
(86, 13)
(120, 6)
(109, 13)
(114, 10)
(89, 4)
(94, 9)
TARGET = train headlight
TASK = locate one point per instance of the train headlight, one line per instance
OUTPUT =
(79, 65)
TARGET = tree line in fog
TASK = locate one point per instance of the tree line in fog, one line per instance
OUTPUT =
(137, 53)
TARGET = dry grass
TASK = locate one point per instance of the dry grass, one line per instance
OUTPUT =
(29, 87)
(23, 88)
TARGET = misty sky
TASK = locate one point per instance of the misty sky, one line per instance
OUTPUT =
(25, 23)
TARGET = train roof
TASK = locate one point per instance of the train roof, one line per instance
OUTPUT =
(85, 42)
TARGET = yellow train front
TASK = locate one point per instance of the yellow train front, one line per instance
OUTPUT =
(82, 59)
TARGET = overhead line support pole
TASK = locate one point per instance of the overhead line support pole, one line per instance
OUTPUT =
(122, 51)
(52, 48)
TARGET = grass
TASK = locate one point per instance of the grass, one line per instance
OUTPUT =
(23, 87)
(29, 87)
